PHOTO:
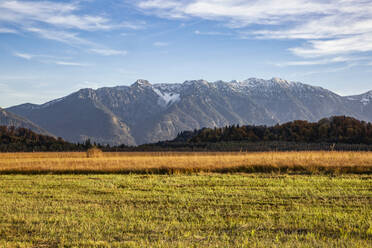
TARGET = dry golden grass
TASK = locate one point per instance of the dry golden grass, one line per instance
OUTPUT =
(169, 162)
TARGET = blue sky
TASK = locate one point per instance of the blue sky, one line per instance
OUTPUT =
(51, 48)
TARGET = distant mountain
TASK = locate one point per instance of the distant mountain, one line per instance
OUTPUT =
(11, 120)
(144, 113)
(78, 117)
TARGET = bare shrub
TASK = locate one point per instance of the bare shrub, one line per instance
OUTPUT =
(94, 153)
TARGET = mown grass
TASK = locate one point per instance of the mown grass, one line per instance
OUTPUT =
(202, 210)
(173, 163)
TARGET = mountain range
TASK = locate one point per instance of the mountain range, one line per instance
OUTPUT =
(145, 113)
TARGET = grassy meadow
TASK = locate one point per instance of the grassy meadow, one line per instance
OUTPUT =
(275, 199)
(202, 210)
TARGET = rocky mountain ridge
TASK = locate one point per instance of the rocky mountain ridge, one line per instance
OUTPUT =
(145, 112)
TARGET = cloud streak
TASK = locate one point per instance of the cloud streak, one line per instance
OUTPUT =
(69, 63)
(236, 12)
(23, 55)
(48, 59)
(325, 61)
(108, 52)
(58, 21)
(211, 33)
(7, 31)
(51, 13)
(69, 38)
(161, 44)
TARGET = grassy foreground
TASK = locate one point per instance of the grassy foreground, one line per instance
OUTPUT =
(203, 210)
(173, 163)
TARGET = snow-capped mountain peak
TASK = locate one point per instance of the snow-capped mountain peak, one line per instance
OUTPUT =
(366, 98)
(141, 82)
(196, 82)
(279, 80)
(166, 98)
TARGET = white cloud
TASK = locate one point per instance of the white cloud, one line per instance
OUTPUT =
(48, 59)
(326, 71)
(236, 12)
(331, 60)
(29, 56)
(23, 55)
(109, 52)
(61, 36)
(197, 32)
(7, 31)
(52, 13)
(328, 28)
(68, 63)
(167, 8)
(131, 25)
(58, 14)
(59, 21)
(161, 44)
(352, 44)
(80, 22)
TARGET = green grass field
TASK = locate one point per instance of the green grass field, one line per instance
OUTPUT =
(206, 210)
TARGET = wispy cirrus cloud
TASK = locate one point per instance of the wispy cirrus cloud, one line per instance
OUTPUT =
(30, 56)
(357, 43)
(327, 28)
(197, 32)
(161, 44)
(74, 40)
(108, 52)
(23, 55)
(69, 63)
(164, 8)
(59, 21)
(59, 14)
(7, 31)
(325, 61)
(236, 13)
(48, 59)
(67, 37)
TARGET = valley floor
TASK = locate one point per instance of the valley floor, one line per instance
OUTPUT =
(199, 210)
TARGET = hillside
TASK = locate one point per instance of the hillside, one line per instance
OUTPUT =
(147, 113)
(11, 120)
(24, 140)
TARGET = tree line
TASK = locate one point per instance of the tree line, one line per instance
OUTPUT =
(338, 129)
(24, 140)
